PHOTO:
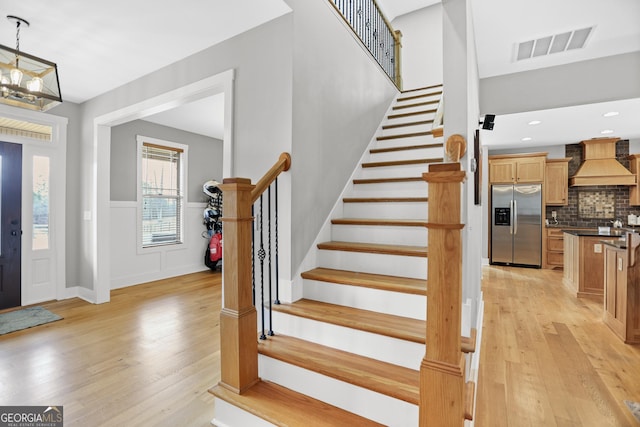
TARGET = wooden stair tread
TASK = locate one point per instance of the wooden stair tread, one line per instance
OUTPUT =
(388, 325)
(384, 199)
(375, 248)
(405, 285)
(403, 328)
(380, 221)
(417, 104)
(387, 180)
(401, 125)
(412, 113)
(284, 407)
(424, 95)
(405, 147)
(402, 162)
(391, 380)
(403, 135)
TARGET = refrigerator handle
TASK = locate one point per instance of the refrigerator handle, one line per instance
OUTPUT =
(515, 217)
(511, 219)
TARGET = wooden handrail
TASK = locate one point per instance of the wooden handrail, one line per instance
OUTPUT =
(282, 165)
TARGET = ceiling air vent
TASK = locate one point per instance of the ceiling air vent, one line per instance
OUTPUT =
(553, 44)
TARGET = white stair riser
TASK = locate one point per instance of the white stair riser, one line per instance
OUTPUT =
(410, 98)
(394, 171)
(409, 109)
(395, 118)
(415, 153)
(380, 408)
(391, 350)
(399, 210)
(414, 188)
(403, 142)
(381, 234)
(388, 302)
(406, 129)
(228, 415)
(391, 265)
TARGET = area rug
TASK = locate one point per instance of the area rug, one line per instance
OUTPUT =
(25, 318)
(634, 407)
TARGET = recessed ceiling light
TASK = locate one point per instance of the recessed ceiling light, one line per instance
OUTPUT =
(526, 138)
(606, 131)
(610, 114)
(535, 122)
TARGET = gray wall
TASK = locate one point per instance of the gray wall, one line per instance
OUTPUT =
(340, 96)
(205, 158)
(73, 214)
(586, 82)
(262, 62)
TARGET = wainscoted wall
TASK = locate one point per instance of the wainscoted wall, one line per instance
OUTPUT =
(599, 195)
(130, 266)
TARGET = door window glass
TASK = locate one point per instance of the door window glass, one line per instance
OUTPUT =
(40, 202)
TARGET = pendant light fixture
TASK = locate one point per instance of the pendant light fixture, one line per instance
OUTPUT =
(27, 81)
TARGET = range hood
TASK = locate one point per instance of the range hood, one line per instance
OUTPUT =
(600, 166)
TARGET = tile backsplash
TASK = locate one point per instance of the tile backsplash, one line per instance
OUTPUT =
(594, 206)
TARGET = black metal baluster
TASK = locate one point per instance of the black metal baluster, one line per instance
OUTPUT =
(261, 256)
(277, 301)
(253, 255)
(269, 263)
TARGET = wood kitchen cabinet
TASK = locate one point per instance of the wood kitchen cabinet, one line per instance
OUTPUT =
(517, 168)
(554, 254)
(556, 182)
(622, 290)
(584, 265)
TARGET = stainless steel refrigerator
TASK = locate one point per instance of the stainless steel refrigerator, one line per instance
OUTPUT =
(516, 224)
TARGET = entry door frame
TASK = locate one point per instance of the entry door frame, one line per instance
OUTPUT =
(55, 257)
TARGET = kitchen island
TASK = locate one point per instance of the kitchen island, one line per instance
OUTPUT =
(622, 287)
(584, 260)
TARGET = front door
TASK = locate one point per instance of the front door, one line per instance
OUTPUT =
(10, 224)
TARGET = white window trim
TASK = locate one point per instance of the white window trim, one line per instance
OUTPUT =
(141, 139)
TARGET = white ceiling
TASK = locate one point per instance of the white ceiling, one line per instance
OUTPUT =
(131, 39)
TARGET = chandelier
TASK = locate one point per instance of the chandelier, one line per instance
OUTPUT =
(27, 81)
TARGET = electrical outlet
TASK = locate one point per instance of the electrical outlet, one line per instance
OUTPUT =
(554, 214)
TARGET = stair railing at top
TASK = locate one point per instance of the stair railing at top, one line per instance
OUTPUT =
(375, 32)
(238, 317)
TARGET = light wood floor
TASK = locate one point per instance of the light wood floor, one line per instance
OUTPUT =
(145, 359)
(148, 357)
(547, 359)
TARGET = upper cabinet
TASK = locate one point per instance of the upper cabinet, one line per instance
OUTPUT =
(517, 168)
(556, 182)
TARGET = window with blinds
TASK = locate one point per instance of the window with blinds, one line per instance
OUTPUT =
(162, 194)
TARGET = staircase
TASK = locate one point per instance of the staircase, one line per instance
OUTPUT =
(349, 351)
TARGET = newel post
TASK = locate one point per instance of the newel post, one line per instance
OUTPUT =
(442, 371)
(238, 318)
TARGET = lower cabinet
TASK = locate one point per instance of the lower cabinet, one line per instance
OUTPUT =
(584, 265)
(622, 295)
(554, 254)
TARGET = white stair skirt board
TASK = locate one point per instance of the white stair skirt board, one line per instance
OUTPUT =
(366, 403)
(381, 234)
(382, 301)
(391, 189)
(415, 267)
(387, 349)
(395, 210)
(394, 171)
(228, 415)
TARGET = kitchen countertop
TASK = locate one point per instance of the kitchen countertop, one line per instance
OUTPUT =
(618, 244)
(594, 232)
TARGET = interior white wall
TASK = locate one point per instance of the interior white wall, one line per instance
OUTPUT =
(421, 46)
